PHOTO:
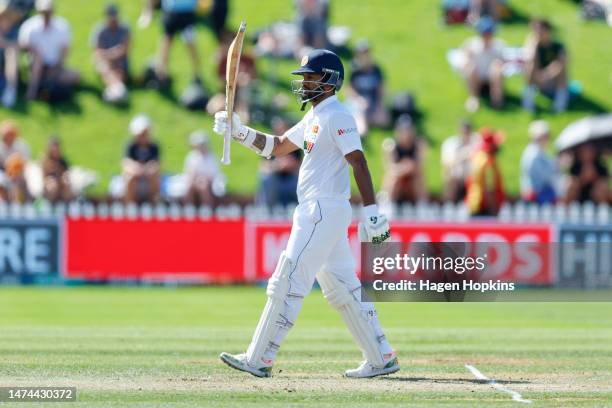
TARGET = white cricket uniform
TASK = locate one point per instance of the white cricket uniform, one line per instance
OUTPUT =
(318, 243)
(319, 237)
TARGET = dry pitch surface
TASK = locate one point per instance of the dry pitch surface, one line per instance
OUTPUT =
(159, 347)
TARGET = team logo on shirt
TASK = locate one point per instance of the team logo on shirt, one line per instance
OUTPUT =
(311, 138)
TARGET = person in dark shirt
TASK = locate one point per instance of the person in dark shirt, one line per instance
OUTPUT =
(546, 68)
(589, 177)
(141, 169)
(404, 175)
(111, 42)
(367, 86)
(55, 173)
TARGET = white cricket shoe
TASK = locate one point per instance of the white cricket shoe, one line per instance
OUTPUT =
(367, 370)
(239, 362)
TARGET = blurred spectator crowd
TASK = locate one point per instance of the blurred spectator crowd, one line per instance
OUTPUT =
(469, 160)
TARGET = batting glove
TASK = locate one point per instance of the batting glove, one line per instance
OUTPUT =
(375, 227)
(239, 132)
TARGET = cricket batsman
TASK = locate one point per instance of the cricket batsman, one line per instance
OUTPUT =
(318, 246)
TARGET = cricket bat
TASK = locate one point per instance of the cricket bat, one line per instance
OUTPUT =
(231, 77)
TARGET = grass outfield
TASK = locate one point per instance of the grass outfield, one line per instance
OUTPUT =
(407, 39)
(159, 347)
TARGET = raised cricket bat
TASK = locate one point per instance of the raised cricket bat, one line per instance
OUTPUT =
(231, 77)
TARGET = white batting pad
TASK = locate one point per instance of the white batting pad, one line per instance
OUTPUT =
(277, 317)
(357, 320)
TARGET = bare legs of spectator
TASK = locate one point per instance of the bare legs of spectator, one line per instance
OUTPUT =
(36, 72)
(161, 68)
(409, 188)
(114, 79)
(496, 81)
(200, 193)
(195, 58)
(11, 69)
(57, 189)
(538, 80)
(142, 188)
(455, 190)
(475, 83)
(600, 191)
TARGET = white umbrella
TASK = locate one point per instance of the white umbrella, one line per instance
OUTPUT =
(595, 129)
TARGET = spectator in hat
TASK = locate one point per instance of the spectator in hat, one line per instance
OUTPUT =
(367, 88)
(56, 180)
(546, 68)
(485, 189)
(201, 169)
(456, 155)
(47, 38)
(539, 173)
(12, 15)
(589, 177)
(179, 17)
(111, 43)
(483, 69)
(141, 163)
(404, 179)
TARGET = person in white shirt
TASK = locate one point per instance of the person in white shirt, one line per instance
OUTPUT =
(456, 156)
(201, 169)
(318, 245)
(47, 38)
(483, 69)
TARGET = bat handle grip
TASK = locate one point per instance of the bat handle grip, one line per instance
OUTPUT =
(227, 139)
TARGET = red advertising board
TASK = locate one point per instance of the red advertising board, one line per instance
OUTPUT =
(523, 263)
(244, 251)
(197, 251)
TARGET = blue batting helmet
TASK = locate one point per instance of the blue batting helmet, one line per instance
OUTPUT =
(323, 62)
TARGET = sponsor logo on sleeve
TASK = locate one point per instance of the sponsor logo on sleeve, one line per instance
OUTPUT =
(346, 131)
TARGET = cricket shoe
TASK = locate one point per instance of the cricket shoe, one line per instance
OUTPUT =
(367, 370)
(239, 362)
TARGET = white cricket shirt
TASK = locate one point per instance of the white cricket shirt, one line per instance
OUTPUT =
(326, 134)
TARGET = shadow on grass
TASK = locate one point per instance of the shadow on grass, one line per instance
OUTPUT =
(449, 380)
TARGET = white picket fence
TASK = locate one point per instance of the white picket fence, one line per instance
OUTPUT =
(587, 213)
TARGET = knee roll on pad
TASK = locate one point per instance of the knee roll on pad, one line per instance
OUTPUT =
(339, 296)
(271, 318)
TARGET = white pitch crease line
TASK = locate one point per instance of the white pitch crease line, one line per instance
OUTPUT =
(480, 376)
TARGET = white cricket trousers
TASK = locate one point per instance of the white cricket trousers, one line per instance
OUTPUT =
(318, 242)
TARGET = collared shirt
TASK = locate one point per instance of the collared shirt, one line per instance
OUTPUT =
(49, 41)
(327, 133)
